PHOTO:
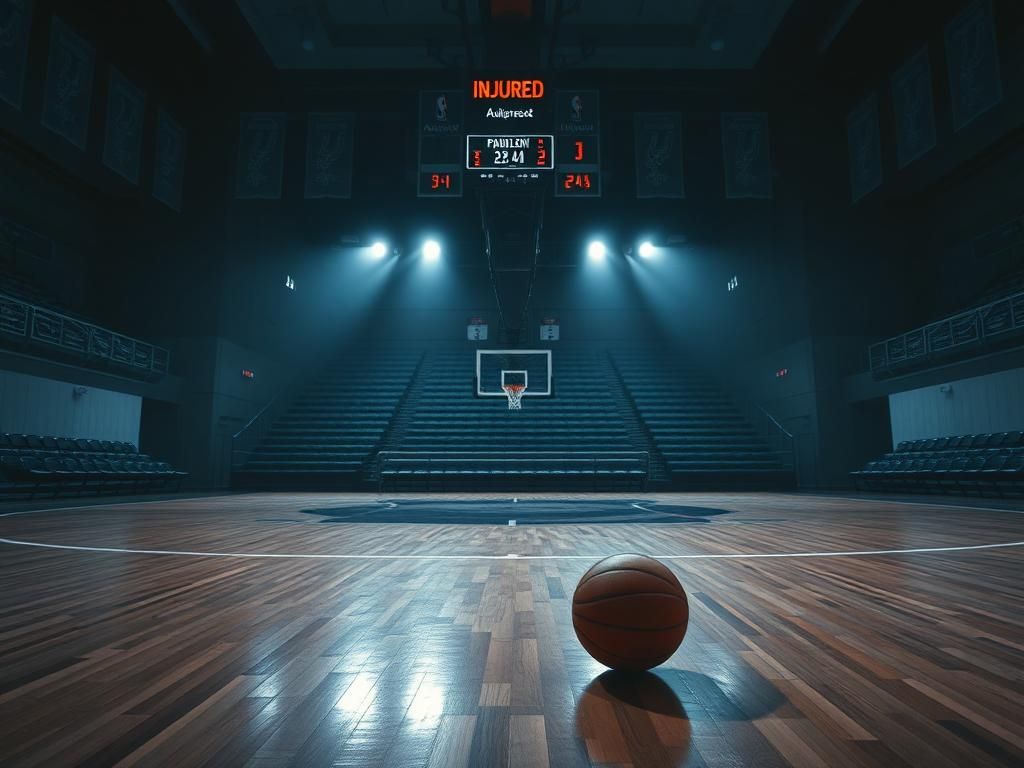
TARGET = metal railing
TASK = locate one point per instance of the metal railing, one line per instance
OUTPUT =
(783, 444)
(523, 463)
(245, 440)
(991, 322)
(45, 327)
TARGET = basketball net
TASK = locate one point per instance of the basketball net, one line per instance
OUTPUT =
(515, 396)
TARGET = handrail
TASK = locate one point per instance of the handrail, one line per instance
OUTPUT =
(95, 341)
(255, 429)
(792, 451)
(775, 421)
(973, 326)
(259, 413)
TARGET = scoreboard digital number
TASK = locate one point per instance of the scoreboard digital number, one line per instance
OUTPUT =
(579, 184)
(508, 153)
(440, 184)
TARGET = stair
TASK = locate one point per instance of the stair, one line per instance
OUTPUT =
(330, 434)
(659, 477)
(704, 440)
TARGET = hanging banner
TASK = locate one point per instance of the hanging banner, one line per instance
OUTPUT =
(441, 131)
(865, 148)
(658, 140)
(913, 109)
(261, 155)
(973, 61)
(578, 143)
(68, 95)
(169, 161)
(126, 114)
(15, 26)
(748, 163)
(329, 155)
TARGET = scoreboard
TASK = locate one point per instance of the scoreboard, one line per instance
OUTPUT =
(507, 133)
(496, 153)
(578, 142)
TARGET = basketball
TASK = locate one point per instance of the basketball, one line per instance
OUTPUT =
(630, 612)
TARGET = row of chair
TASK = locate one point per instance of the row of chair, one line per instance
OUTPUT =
(31, 464)
(964, 454)
(64, 444)
(981, 442)
(31, 474)
(998, 473)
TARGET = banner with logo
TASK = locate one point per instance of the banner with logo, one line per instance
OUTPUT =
(169, 161)
(261, 155)
(578, 143)
(329, 155)
(913, 108)
(748, 163)
(15, 26)
(68, 95)
(973, 61)
(865, 148)
(126, 115)
(442, 151)
(658, 140)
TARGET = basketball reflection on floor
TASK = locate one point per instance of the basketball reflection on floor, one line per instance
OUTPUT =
(622, 716)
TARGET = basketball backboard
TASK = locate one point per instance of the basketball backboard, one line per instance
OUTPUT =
(496, 368)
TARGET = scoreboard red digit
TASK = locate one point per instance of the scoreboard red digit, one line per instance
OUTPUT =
(440, 184)
(573, 151)
(577, 182)
(578, 144)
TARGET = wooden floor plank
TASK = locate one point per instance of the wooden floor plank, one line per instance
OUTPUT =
(122, 658)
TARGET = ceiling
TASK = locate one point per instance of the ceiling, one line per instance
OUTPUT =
(590, 34)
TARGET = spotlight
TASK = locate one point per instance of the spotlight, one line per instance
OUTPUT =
(596, 251)
(431, 250)
(379, 250)
(646, 249)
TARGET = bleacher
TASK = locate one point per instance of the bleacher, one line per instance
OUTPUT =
(983, 464)
(330, 435)
(32, 464)
(449, 439)
(412, 421)
(705, 441)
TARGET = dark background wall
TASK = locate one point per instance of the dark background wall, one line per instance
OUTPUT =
(819, 276)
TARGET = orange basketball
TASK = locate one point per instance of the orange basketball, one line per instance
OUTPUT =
(630, 612)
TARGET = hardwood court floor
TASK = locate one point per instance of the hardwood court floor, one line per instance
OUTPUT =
(369, 644)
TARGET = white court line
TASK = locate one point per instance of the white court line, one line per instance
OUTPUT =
(310, 556)
(313, 556)
(917, 503)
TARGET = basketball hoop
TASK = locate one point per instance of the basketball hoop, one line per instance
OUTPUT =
(515, 396)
